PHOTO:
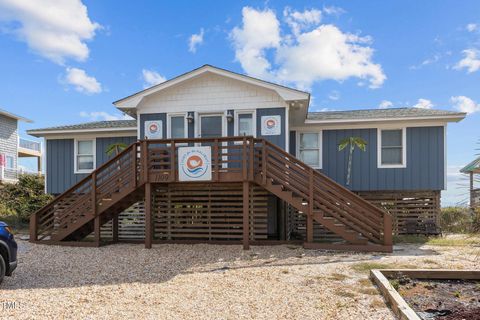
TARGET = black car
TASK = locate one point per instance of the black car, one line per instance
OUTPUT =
(8, 251)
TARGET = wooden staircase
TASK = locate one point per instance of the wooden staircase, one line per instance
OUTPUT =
(127, 179)
(339, 210)
(96, 199)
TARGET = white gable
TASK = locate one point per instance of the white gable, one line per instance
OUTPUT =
(211, 78)
(210, 92)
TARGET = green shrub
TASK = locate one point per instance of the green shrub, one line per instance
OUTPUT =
(456, 220)
(18, 201)
(476, 221)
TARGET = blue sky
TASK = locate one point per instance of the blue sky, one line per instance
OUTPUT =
(67, 64)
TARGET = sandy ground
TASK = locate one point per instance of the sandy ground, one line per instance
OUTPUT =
(126, 281)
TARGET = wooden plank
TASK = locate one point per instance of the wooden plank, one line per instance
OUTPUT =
(246, 215)
(398, 305)
(148, 216)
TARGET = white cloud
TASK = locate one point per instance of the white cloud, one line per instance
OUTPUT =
(152, 78)
(102, 115)
(55, 29)
(305, 56)
(195, 40)
(471, 27)
(334, 95)
(332, 10)
(385, 104)
(260, 31)
(423, 104)
(82, 82)
(299, 21)
(465, 104)
(435, 58)
(470, 61)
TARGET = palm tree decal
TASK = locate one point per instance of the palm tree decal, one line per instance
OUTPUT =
(115, 148)
(352, 142)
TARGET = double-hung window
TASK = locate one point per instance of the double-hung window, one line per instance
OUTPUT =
(392, 148)
(309, 148)
(244, 123)
(177, 126)
(84, 155)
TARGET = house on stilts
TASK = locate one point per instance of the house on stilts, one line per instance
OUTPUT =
(219, 157)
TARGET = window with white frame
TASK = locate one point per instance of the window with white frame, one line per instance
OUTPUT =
(392, 149)
(84, 155)
(244, 124)
(9, 162)
(177, 127)
(309, 148)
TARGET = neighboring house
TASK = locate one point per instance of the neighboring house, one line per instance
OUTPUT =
(403, 167)
(472, 169)
(12, 147)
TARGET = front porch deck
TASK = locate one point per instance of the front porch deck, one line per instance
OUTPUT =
(176, 210)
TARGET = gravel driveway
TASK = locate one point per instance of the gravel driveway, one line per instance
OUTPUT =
(205, 282)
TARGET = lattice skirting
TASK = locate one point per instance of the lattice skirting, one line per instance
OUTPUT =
(208, 212)
(414, 205)
(203, 212)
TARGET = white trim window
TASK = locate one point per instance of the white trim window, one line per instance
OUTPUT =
(84, 156)
(9, 162)
(245, 123)
(309, 148)
(177, 126)
(392, 148)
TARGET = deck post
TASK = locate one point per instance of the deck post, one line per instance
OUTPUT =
(246, 212)
(471, 191)
(387, 230)
(33, 227)
(96, 230)
(115, 229)
(144, 160)
(310, 207)
(96, 222)
(215, 161)
(264, 163)
(148, 216)
(251, 159)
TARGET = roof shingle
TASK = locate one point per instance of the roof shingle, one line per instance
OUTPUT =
(91, 125)
(396, 113)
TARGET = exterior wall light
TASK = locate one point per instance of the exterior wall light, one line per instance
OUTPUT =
(190, 117)
(229, 116)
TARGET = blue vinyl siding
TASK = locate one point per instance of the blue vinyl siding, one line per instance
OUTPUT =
(153, 116)
(60, 161)
(279, 140)
(425, 161)
(103, 143)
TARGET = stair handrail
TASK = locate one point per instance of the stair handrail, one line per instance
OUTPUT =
(322, 175)
(384, 216)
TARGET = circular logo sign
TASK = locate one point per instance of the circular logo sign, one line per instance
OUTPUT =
(270, 123)
(153, 128)
(194, 164)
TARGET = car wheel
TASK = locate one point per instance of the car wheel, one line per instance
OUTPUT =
(3, 268)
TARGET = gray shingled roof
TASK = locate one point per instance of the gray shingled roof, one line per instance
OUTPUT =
(392, 113)
(91, 125)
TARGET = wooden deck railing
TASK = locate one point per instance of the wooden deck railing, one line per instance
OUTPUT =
(233, 159)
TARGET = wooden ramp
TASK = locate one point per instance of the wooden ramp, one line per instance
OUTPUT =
(246, 164)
